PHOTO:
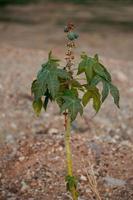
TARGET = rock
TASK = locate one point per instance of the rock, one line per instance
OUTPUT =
(83, 178)
(53, 131)
(10, 139)
(107, 138)
(88, 190)
(126, 143)
(96, 148)
(24, 186)
(112, 182)
(13, 125)
(21, 158)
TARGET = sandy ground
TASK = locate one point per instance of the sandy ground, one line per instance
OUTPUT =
(32, 152)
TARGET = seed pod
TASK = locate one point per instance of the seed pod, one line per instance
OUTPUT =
(71, 36)
(76, 35)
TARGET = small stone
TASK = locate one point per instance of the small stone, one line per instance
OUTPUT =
(22, 158)
(126, 143)
(10, 139)
(83, 178)
(24, 186)
(13, 125)
(88, 190)
(112, 182)
(60, 148)
(53, 131)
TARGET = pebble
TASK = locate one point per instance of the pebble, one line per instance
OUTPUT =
(13, 125)
(22, 158)
(10, 139)
(24, 186)
(53, 131)
(112, 182)
(83, 178)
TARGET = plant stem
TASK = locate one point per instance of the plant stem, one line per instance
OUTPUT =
(69, 154)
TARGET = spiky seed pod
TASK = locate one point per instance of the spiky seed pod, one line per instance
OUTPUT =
(71, 36)
(76, 35)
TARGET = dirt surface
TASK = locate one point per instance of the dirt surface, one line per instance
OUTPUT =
(32, 151)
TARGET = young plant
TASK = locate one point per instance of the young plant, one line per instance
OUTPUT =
(61, 85)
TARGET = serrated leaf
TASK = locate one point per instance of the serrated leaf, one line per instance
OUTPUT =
(53, 84)
(96, 57)
(46, 100)
(89, 69)
(51, 58)
(48, 77)
(115, 94)
(37, 89)
(105, 90)
(50, 55)
(63, 74)
(37, 106)
(82, 65)
(99, 70)
(86, 65)
(71, 182)
(93, 93)
(95, 80)
(75, 84)
(72, 104)
(107, 73)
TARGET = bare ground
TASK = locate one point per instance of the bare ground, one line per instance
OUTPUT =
(32, 152)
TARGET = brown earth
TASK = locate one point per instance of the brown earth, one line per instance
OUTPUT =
(32, 152)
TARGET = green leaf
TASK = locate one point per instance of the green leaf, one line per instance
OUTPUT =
(51, 58)
(71, 182)
(86, 65)
(93, 93)
(72, 104)
(82, 65)
(107, 73)
(89, 69)
(96, 57)
(75, 84)
(63, 74)
(101, 71)
(47, 98)
(59, 98)
(37, 89)
(37, 106)
(53, 84)
(115, 94)
(48, 78)
(95, 80)
(105, 90)
(45, 104)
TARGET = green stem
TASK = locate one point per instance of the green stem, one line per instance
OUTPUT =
(69, 156)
